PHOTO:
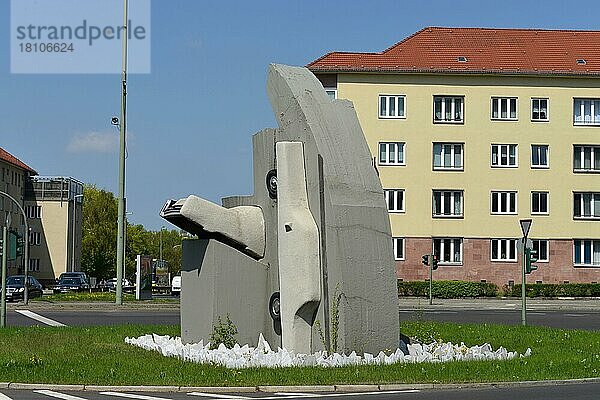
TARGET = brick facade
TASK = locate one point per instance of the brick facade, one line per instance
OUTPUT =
(477, 265)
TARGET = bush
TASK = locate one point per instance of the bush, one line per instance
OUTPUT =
(223, 332)
(555, 290)
(448, 289)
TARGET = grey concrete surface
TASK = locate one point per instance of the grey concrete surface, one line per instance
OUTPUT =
(298, 254)
(549, 390)
(344, 199)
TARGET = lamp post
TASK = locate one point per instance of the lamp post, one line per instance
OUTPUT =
(5, 250)
(26, 237)
(122, 143)
(74, 232)
(160, 248)
(525, 226)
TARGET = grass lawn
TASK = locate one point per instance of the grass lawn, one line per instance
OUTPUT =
(95, 296)
(98, 355)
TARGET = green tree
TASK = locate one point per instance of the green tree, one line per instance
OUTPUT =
(98, 247)
(98, 251)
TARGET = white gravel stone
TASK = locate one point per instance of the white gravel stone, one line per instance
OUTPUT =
(263, 356)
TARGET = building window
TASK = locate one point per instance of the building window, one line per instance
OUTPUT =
(448, 250)
(504, 202)
(539, 202)
(448, 109)
(586, 111)
(35, 238)
(391, 153)
(34, 265)
(394, 199)
(586, 205)
(331, 92)
(586, 253)
(398, 248)
(447, 203)
(586, 158)
(539, 156)
(539, 110)
(391, 106)
(504, 250)
(541, 247)
(448, 156)
(504, 108)
(504, 155)
(34, 212)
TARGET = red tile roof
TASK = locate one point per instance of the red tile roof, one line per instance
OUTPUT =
(487, 50)
(9, 158)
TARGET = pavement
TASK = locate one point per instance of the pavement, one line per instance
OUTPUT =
(309, 389)
(502, 303)
(405, 303)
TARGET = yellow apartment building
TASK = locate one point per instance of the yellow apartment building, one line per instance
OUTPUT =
(472, 130)
(54, 209)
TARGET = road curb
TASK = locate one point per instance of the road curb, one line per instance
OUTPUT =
(41, 386)
(161, 389)
(310, 389)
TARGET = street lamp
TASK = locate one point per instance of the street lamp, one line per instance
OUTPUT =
(26, 237)
(74, 232)
(525, 227)
(160, 248)
(122, 144)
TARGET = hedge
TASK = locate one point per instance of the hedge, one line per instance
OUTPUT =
(458, 289)
(555, 290)
(448, 289)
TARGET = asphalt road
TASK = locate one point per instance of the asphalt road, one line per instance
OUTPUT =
(582, 391)
(96, 317)
(556, 319)
(565, 314)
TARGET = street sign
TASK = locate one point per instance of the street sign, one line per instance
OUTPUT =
(525, 226)
(529, 245)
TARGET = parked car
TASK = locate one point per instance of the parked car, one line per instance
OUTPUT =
(15, 288)
(111, 284)
(78, 274)
(71, 284)
(176, 285)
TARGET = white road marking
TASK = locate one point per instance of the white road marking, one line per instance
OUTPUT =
(58, 395)
(39, 318)
(443, 312)
(291, 394)
(133, 396)
(536, 313)
(319, 395)
(220, 396)
(575, 315)
(4, 397)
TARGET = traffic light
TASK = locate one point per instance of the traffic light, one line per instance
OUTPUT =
(20, 245)
(425, 259)
(530, 257)
(434, 262)
(16, 245)
(1, 247)
(12, 245)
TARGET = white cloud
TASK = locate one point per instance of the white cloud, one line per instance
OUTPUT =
(93, 142)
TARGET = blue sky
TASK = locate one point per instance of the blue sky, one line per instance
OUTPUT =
(191, 119)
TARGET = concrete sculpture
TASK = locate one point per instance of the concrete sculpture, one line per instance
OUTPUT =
(311, 244)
